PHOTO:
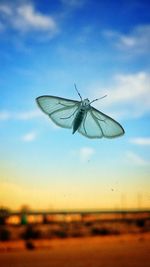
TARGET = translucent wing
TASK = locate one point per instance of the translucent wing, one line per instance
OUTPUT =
(97, 125)
(62, 111)
(89, 127)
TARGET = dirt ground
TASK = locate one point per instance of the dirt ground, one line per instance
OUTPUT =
(110, 251)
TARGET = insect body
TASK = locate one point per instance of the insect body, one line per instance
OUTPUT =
(80, 116)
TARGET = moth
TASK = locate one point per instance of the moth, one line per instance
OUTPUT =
(80, 116)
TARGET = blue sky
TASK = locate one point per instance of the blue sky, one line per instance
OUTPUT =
(46, 47)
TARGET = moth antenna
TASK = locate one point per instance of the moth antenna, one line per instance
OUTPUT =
(98, 99)
(77, 91)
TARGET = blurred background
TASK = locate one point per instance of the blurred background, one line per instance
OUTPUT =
(55, 185)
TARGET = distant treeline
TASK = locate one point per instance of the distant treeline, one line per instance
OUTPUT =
(46, 225)
(25, 217)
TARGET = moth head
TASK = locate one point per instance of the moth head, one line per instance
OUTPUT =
(86, 102)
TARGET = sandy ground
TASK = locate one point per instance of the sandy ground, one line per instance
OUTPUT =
(110, 251)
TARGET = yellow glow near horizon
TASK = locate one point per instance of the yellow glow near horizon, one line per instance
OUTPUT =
(14, 196)
(79, 190)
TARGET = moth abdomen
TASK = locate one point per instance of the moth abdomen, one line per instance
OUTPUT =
(78, 120)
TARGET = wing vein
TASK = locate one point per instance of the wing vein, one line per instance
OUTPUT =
(84, 119)
(61, 109)
(97, 122)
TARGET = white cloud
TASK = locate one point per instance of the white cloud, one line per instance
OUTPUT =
(84, 153)
(28, 18)
(5, 115)
(25, 115)
(128, 41)
(29, 137)
(25, 18)
(134, 158)
(131, 87)
(136, 41)
(129, 95)
(143, 141)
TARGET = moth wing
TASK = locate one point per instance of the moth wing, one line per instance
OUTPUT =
(109, 127)
(62, 111)
(96, 124)
(89, 126)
